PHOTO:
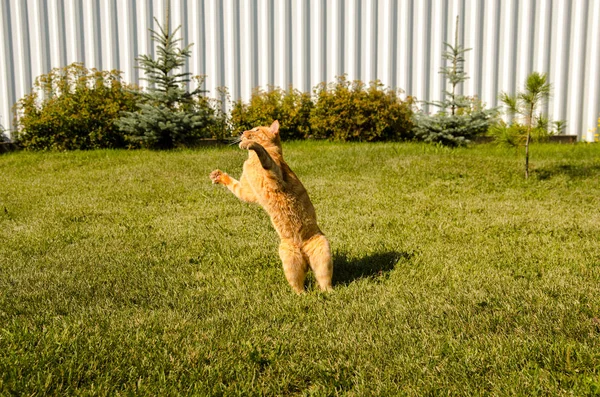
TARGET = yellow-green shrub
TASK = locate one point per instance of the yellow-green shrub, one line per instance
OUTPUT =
(353, 111)
(3, 137)
(292, 108)
(73, 108)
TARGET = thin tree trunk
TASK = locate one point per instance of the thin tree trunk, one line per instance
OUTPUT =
(454, 67)
(527, 153)
(529, 122)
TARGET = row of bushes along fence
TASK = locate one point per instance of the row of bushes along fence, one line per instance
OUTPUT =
(78, 108)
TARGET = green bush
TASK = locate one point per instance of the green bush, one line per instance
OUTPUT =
(450, 130)
(219, 126)
(292, 108)
(73, 108)
(515, 133)
(520, 110)
(3, 136)
(352, 111)
(506, 134)
(470, 119)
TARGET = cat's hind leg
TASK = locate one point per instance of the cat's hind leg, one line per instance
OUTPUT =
(294, 265)
(319, 256)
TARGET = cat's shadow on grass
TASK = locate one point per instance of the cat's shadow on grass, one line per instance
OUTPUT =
(376, 265)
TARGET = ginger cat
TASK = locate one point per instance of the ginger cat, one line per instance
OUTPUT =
(267, 180)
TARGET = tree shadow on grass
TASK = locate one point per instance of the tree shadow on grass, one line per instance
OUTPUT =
(569, 170)
(346, 270)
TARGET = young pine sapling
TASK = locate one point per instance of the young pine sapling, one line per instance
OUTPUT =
(525, 103)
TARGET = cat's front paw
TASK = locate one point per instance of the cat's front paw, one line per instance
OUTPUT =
(216, 176)
(247, 145)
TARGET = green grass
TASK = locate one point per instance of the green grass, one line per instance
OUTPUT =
(127, 272)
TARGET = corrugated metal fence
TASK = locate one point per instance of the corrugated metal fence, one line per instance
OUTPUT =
(242, 44)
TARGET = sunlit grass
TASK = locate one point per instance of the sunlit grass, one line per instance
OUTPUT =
(128, 272)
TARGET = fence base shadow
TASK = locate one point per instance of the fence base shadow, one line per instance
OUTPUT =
(373, 266)
(568, 170)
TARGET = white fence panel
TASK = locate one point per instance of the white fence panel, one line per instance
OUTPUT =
(242, 44)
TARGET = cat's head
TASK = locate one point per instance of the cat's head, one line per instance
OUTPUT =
(265, 136)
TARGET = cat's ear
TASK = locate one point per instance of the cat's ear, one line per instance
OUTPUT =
(275, 127)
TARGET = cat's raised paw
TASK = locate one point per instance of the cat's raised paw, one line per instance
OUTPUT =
(247, 145)
(215, 176)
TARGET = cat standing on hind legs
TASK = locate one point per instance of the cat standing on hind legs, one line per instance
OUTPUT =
(267, 180)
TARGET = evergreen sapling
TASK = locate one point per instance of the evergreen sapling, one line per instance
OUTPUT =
(524, 104)
(168, 115)
(460, 118)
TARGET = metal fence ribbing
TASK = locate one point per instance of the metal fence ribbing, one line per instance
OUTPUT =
(242, 44)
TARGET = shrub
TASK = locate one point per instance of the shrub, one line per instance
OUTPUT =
(73, 108)
(351, 111)
(3, 136)
(451, 130)
(219, 120)
(292, 108)
(515, 134)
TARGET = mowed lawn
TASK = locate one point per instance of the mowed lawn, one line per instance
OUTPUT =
(128, 273)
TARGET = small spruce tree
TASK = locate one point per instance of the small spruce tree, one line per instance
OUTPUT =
(455, 74)
(460, 118)
(168, 115)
